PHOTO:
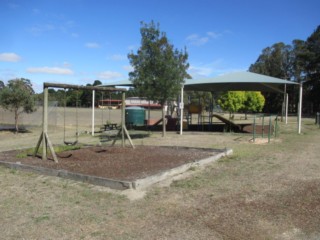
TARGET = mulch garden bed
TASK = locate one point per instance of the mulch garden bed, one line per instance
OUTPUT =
(116, 162)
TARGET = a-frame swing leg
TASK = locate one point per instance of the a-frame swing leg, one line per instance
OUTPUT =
(51, 148)
(44, 139)
(128, 136)
(38, 145)
(123, 131)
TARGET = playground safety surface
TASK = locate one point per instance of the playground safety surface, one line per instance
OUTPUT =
(117, 167)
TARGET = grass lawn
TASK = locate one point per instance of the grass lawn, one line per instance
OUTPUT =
(262, 191)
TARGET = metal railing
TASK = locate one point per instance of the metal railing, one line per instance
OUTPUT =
(264, 126)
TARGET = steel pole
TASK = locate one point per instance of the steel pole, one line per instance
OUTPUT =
(181, 111)
(93, 100)
(300, 109)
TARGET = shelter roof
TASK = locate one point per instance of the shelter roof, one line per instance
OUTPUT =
(236, 81)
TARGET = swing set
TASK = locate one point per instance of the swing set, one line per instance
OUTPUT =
(69, 143)
(44, 138)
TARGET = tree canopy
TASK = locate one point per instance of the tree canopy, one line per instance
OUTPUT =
(17, 97)
(246, 101)
(253, 102)
(299, 62)
(1, 84)
(159, 70)
(232, 101)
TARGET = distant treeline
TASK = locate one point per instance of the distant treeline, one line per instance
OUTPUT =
(298, 62)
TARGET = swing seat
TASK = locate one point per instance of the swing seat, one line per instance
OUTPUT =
(70, 143)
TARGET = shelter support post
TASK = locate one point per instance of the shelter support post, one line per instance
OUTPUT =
(93, 100)
(123, 117)
(284, 102)
(300, 108)
(287, 104)
(181, 111)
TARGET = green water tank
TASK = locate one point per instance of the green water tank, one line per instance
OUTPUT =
(135, 116)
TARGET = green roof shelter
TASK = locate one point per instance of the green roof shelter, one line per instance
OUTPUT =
(235, 81)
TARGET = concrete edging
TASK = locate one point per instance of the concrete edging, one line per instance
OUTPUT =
(105, 182)
(148, 181)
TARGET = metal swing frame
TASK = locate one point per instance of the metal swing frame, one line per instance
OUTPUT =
(44, 138)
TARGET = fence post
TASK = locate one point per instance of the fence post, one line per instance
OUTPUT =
(254, 128)
(263, 126)
(269, 132)
(276, 127)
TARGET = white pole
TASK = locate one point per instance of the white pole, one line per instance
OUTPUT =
(287, 103)
(283, 112)
(300, 109)
(93, 100)
(181, 111)
(45, 123)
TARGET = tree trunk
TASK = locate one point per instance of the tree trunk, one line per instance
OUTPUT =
(163, 121)
(16, 117)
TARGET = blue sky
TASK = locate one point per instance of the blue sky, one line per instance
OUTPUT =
(79, 41)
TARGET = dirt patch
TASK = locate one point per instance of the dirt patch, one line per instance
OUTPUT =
(117, 162)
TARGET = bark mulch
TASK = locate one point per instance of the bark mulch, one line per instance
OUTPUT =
(116, 162)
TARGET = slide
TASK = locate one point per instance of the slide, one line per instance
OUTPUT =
(171, 123)
(234, 126)
(157, 122)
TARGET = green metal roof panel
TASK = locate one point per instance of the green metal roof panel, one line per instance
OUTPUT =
(121, 83)
(236, 81)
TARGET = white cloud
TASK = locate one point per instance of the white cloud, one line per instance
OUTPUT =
(215, 68)
(66, 64)
(50, 70)
(196, 40)
(9, 57)
(207, 69)
(8, 73)
(118, 57)
(200, 70)
(133, 47)
(214, 35)
(128, 68)
(109, 75)
(92, 45)
(41, 28)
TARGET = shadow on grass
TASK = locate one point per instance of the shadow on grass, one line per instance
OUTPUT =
(6, 128)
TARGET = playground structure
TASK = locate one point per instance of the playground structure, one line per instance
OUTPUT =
(44, 138)
(197, 119)
(129, 102)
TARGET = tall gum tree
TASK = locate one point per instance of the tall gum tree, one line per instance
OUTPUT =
(17, 97)
(159, 69)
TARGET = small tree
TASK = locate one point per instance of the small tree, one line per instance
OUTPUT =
(232, 101)
(254, 102)
(159, 69)
(17, 97)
